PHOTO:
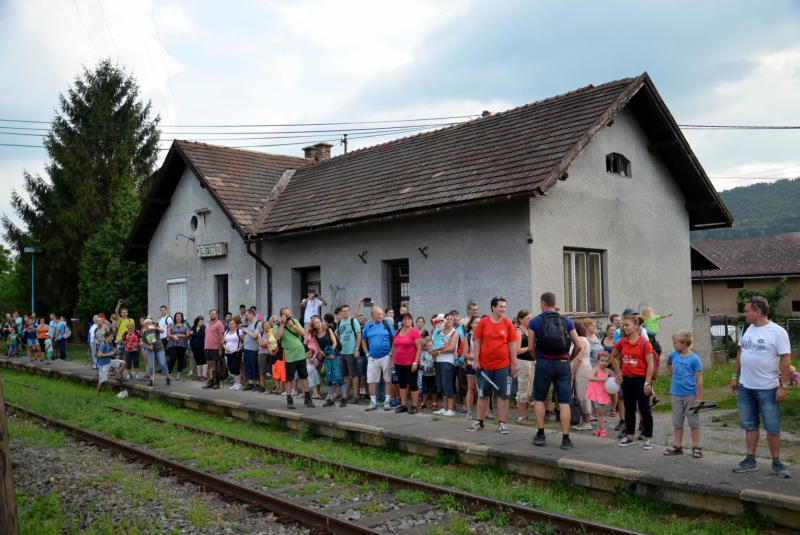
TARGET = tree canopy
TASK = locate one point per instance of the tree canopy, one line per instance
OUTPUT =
(101, 141)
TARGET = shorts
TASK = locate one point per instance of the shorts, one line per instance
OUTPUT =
(263, 363)
(405, 377)
(556, 372)
(349, 366)
(199, 356)
(470, 371)
(598, 405)
(132, 359)
(104, 369)
(445, 376)
(297, 368)
(234, 363)
(525, 375)
(429, 384)
(33, 343)
(680, 409)
(377, 368)
(500, 378)
(751, 403)
(212, 355)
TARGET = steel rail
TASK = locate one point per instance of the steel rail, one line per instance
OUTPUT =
(310, 517)
(530, 514)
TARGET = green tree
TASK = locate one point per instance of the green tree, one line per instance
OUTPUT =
(101, 140)
(773, 296)
(103, 277)
(14, 282)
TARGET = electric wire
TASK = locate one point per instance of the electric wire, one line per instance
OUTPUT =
(164, 58)
(263, 125)
(89, 35)
(109, 30)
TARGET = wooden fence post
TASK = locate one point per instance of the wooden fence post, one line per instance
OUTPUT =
(9, 522)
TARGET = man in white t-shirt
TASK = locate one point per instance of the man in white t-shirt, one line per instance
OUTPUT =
(164, 322)
(313, 304)
(760, 379)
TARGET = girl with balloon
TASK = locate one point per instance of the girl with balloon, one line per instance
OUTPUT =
(601, 384)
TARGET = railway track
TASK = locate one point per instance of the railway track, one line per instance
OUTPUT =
(365, 514)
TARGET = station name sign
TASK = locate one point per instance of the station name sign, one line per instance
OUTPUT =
(211, 250)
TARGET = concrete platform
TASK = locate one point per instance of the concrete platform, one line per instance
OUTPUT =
(595, 463)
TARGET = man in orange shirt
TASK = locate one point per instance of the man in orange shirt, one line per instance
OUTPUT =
(495, 350)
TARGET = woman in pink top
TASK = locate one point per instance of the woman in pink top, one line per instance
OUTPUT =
(405, 359)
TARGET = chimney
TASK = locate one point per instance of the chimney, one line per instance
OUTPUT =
(319, 152)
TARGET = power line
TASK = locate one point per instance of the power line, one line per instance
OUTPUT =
(759, 172)
(164, 58)
(155, 76)
(85, 28)
(109, 31)
(260, 125)
(735, 127)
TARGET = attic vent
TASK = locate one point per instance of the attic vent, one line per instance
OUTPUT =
(618, 164)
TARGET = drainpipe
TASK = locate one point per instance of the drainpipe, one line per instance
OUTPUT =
(269, 277)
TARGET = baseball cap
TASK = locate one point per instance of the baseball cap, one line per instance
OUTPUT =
(454, 312)
(438, 318)
(629, 312)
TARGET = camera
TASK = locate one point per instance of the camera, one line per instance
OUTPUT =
(367, 301)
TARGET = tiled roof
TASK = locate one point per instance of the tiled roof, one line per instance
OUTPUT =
(756, 256)
(241, 179)
(507, 153)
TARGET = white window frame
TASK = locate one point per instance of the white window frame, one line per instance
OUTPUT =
(571, 306)
(171, 309)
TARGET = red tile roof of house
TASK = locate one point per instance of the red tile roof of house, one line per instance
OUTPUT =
(756, 256)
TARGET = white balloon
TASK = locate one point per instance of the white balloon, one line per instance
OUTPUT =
(611, 386)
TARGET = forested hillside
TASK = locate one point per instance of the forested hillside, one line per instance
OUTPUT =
(759, 209)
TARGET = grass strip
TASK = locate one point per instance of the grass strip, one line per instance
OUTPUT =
(622, 509)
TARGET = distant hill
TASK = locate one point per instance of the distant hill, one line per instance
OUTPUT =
(758, 210)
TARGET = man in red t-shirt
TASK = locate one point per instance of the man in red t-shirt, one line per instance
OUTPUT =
(215, 332)
(495, 350)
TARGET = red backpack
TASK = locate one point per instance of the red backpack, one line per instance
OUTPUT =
(642, 343)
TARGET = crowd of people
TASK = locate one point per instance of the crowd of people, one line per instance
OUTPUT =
(473, 365)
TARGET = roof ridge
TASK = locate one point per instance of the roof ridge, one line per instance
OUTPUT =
(237, 149)
(745, 237)
(479, 118)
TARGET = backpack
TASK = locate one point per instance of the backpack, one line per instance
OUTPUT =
(338, 333)
(67, 332)
(656, 358)
(554, 338)
(389, 330)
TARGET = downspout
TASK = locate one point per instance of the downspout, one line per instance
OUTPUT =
(269, 277)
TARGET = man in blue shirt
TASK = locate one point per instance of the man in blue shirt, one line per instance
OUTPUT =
(377, 339)
(61, 342)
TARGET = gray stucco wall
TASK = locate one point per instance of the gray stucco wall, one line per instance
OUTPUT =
(172, 257)
(474, 254)
(640, 222)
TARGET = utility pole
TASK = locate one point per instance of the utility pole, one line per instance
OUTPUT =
(344, 142)
(9, 522)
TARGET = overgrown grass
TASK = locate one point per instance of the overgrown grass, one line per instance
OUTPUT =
(619, 510)
(410, 497)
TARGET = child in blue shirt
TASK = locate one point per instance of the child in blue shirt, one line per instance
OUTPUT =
(686, 388)
(106, 360)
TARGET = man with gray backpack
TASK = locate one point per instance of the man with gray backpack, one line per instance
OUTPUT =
(549, 336)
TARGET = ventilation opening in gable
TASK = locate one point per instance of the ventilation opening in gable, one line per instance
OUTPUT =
(618, 164)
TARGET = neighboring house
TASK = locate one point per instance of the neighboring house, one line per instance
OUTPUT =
(591, 194)
(754, 263)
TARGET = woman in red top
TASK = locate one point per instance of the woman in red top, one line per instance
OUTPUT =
(636, 355)
(41, 331)
(406, 352)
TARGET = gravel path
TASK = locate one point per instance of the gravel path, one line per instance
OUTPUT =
(88, 486)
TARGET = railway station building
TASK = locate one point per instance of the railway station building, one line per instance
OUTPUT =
(591, 195)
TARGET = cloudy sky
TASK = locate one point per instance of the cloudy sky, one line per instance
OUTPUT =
(279, 62)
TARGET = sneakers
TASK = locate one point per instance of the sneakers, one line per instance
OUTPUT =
(128, 377)
(449, 413)
(599, 433)
(209, 384)
(582, 427)
(150, 383)
(489, 415)
(261, 390)
(648, 445)
(413, 410)
(401, 408)
(216, 385)
(746, 466)
(463, 409)
(294, 393)
(289, 402)
(168, 382)
(440, 411)
(329, 403)
(387, 405)
(371, 407)
(248, 387)
(192, 373)
(344, 402)
(236, 386)
(393, 404)
(307, 400)
(469, 415)
(626, 442)
(593, 418)
(779, 470)
(178, 377)
(503, 428)
(566, 444)
(539, 440)
(477, 426)
(619, 427)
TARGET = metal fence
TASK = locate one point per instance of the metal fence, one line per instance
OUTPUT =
(724, 335)
(793, 328)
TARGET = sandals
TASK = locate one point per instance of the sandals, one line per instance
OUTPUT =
(697, 453)
(613, 413)
(674, 450)
(656, 401)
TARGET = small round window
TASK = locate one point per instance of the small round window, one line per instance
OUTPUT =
(194, 223)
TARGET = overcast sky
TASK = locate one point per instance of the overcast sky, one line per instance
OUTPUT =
(268, 62)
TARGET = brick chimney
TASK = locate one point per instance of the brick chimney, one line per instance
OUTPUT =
(319, 152)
